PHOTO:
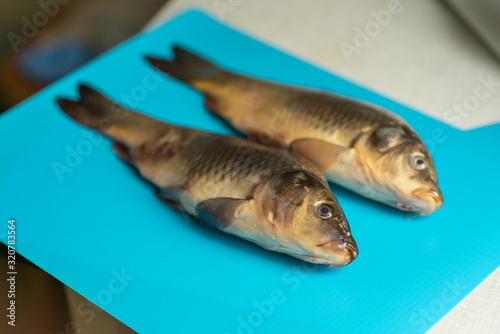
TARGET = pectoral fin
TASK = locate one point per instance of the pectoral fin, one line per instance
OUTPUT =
(319, 152)
(220, 212)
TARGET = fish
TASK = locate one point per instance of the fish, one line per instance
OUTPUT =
(360, 146)
(266, 195)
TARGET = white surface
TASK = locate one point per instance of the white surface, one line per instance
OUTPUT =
(479, 312)
(423, 57)
(482, 16)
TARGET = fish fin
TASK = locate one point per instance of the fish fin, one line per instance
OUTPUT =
(173, 204)
(89, 110)
(171, 196)
(264, 138)
(212, 104)
(122, 151)
(386, 138)
(321, 153)
(96, 111)
(185, 66)
(220, 212)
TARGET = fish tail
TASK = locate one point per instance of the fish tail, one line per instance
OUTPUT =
(186, 67)
(97, 112)
(91, 110)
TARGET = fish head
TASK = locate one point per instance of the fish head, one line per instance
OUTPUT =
(404, 170)
(309, 219)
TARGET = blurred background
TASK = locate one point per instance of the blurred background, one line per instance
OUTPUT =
(46, 39)
(430, 55)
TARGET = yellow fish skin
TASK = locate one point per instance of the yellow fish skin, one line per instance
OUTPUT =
(359, 146)
(266, 195)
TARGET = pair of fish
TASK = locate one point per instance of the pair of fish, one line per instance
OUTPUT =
(276, 198)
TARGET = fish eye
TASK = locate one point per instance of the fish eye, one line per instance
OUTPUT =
(418, 161)
(325, 211)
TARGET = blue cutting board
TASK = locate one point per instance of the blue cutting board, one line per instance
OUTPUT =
(90, 221)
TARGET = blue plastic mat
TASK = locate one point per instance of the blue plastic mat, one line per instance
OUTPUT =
(86, 218)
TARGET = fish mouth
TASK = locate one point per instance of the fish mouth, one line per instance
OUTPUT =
(432, 200)
(341, 252)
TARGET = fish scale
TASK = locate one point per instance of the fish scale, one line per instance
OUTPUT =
(357, 145)
(226, 162)
(330, 114)
(265, 195)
